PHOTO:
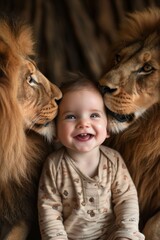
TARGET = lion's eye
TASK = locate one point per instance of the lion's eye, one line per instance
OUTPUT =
(117, 59)
(147, 68)
(31, 80)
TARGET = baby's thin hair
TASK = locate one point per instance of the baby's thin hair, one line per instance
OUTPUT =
(74, 81)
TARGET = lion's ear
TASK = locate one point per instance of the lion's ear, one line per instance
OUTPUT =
(25, 40)
(18, 35)
(8, 64)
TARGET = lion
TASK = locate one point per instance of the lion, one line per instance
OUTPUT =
(27, 109)
(131, 89)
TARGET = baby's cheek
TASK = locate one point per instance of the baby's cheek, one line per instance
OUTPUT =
(102, 129)
(101, 126)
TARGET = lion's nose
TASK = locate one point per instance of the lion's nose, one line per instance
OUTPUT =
(106, 89)
(56, 92)
(58, 101)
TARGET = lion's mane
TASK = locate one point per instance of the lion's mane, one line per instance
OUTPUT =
(138, 138)
(22, 150)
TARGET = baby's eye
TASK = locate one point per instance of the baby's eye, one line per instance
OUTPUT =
(70, 116)
(95, 115)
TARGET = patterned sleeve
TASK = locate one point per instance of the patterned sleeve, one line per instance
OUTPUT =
(49, 205)
(125, 203)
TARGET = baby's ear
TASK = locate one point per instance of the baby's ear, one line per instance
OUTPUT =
(107, 133)
(55, 137)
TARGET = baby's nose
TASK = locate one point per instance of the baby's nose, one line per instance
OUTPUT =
(83, 123)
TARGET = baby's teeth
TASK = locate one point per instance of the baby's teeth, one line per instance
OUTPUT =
(83, 134)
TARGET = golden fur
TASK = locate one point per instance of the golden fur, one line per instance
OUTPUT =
(27, 108)
(131, 87)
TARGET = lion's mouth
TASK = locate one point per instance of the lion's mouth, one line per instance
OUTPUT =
(121, 117)
(37, 125)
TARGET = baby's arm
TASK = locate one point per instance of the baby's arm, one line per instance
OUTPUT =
(50, 206)
(125, 204)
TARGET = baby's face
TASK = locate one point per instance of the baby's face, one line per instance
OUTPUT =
(82, 121)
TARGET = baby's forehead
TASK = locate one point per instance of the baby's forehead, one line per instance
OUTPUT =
(88, 88)
(82, 98)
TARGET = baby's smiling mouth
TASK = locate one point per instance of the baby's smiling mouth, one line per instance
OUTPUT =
(84, 136)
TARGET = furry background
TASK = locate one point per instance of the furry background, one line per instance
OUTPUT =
(73, 35)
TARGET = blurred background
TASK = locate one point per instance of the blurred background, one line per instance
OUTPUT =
(73, 35)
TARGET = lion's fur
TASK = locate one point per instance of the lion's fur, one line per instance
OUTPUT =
(137, 25)
(139, 146)
(22, 150)
(11, 121)
(139, 143)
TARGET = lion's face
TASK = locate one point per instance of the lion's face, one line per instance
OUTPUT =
(28, 99)
(37, 98)
(132, 84)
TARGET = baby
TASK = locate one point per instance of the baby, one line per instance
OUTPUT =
(85, 190)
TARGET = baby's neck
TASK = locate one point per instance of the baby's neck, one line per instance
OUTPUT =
(87, 162)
